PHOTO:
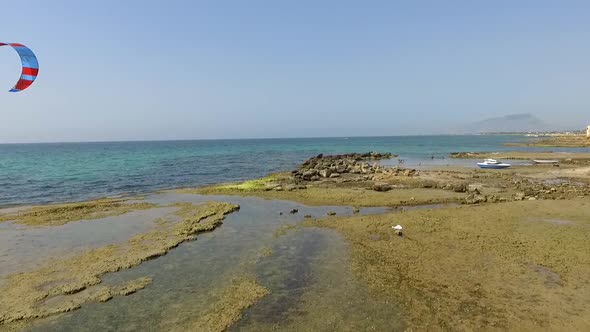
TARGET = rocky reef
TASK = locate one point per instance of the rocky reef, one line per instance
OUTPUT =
(334, 166)
(352, 179)
(65, 284)
(61, 214)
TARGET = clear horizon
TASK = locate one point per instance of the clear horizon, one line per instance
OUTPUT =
(273, 138)
(145, 70)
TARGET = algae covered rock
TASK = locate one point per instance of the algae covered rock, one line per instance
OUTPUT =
(460, 187)
(475, 198)
(382, 187)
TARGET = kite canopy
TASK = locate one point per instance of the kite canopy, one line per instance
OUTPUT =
(30, 66)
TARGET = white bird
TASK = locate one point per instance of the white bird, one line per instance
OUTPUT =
(397, 228)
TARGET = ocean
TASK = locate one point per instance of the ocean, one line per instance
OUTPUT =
(61, 172)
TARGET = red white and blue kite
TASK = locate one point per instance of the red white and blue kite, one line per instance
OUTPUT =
(30, 66)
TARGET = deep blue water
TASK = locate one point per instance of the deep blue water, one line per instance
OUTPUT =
(58, 172)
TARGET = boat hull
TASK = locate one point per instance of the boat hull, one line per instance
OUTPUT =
(499, 166)
(546, 161)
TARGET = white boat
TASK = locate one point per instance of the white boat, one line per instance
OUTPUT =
(492, 163)
(544, 161)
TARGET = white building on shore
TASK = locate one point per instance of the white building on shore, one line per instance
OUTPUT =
(588, 132)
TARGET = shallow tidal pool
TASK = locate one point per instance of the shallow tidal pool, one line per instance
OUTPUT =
(306, 271)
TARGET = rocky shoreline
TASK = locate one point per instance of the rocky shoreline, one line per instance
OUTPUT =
(334, 166)
(569, 141)
(573, 158)
(534, 222)
(478, 186)
(528, 222)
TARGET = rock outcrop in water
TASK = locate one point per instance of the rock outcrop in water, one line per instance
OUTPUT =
(334, 166)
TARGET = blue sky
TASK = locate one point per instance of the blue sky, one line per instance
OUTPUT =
(134, 70)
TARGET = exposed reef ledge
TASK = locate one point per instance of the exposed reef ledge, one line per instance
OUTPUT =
(567, 141)
(65, 284)
(565, 157)
(60, 214)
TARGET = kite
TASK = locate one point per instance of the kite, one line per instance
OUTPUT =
(30, 66)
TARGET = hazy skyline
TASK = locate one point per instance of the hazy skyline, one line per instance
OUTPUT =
(148, 70)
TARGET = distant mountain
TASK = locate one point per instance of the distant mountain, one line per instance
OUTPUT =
(508, 124)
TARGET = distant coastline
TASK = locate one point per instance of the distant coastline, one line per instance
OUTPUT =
(556, 140)
(258, 138)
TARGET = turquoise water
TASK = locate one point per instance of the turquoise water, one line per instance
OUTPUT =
(58, 172)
